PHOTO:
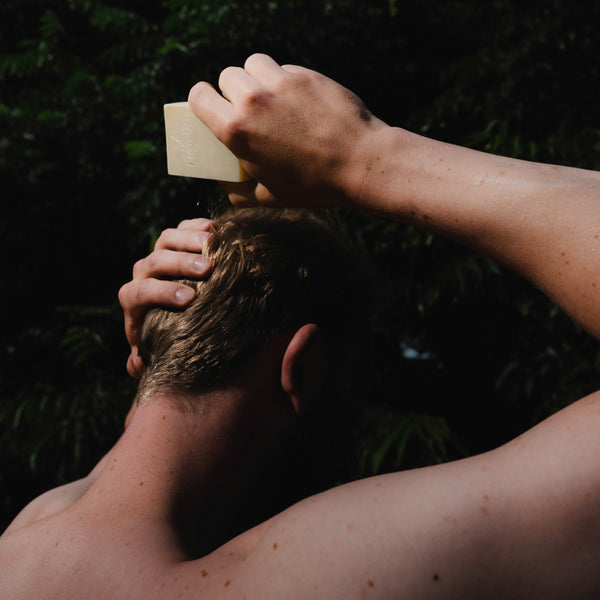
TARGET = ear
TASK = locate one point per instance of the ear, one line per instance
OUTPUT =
(303, 366)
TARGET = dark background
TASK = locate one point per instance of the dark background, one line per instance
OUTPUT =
(466, 355)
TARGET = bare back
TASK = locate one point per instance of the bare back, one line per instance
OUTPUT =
(74, 554)
(522, 521)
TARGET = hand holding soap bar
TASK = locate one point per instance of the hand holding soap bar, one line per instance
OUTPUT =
(194, 151)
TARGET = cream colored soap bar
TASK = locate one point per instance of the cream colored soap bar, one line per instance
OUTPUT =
(194, 151)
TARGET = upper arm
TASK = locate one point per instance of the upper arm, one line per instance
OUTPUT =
(521, 520)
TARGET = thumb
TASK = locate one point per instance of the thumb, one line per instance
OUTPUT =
(135, 365)
(249, 193)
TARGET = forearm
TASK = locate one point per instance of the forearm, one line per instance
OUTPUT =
(543, 221)
(309, 142)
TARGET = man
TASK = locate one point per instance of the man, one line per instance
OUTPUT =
(522, 521)
(224, 385)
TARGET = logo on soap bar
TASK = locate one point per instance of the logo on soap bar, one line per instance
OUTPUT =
(186, 143)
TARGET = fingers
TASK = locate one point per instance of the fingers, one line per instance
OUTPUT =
(210, 107)
(259, 70)
(135, 368)
(177, 254)
(137, 296)
(245, 88)
(265, 122)
(215, 110)
(263, 68)
(146, 289)
(235, 82)
(241, 195)
(294, 69)
(190, 236)
(170, 263)
(199, 224)
(181, 240)
(250, 193)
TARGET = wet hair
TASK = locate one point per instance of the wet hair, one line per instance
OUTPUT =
(274, 271)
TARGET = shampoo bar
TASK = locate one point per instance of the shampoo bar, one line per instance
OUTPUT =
(194, 151)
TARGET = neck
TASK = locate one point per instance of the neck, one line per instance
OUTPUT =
(185, 469)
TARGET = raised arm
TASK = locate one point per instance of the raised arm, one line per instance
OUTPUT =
(308, 141)
(543, 221)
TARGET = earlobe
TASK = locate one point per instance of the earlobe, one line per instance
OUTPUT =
(303, 367)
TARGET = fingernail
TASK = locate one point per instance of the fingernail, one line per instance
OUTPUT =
(184, 294)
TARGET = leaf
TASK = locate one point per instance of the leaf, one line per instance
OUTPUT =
(135, 149)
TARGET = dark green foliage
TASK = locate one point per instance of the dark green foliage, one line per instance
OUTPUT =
(465, 354)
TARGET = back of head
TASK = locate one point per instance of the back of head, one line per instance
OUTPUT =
(274, 271)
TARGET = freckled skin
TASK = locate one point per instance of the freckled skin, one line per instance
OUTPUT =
(519, 213)
(337, 536)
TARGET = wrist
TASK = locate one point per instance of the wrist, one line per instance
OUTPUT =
(378, 176)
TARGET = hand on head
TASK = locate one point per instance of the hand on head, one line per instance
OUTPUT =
(177, 253)
(298, 133)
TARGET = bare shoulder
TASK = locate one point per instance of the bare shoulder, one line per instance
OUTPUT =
(54, 500)
(520, 521)
(48, 503)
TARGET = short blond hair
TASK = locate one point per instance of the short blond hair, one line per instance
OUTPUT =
(274, 271)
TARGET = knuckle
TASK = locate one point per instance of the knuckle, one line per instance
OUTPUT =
(152, 261)
(299, 75)
(295, 79)
(139, 268)
(140, 293)
(237, 131)
(185, 224)
(162, 239)
(123, 293)
(257, 99)
(256, 56)
(205, 224)
(239, 128)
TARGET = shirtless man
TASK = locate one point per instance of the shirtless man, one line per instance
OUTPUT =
(521, 521)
